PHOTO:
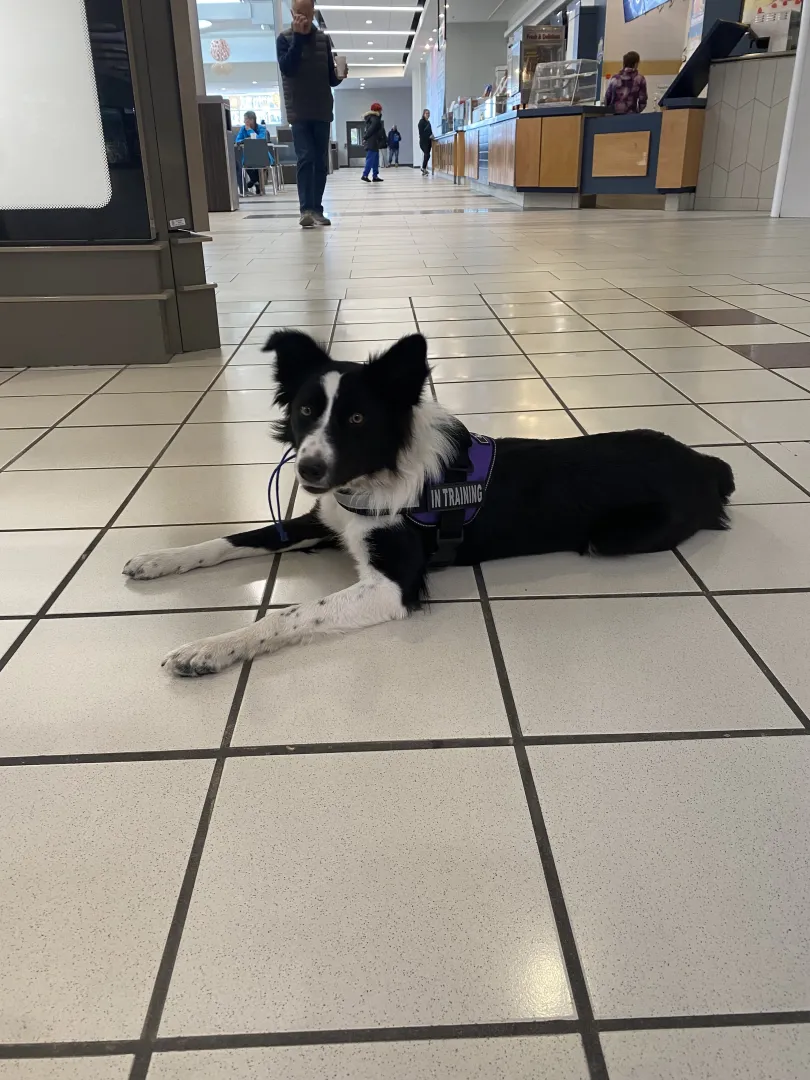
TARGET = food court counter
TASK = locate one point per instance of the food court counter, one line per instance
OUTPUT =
(566, 156)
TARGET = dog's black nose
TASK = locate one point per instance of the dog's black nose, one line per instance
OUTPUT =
(312, 470)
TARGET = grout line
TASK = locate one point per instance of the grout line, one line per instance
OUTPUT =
(700, 405)
(273, 750)
(160, 990)
(576, 974)
(545, 381)
(364, 1036)
(431, 383)
(56, 423)
(394, 746)
(93, 544)
(788, 699)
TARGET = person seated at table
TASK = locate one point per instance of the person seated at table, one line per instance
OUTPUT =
(250, 129)
(627, 91)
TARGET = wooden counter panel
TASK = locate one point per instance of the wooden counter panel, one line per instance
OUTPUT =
(560, 151)
(471, 154)
(502, 153)
(621, 153)
(527, 152)
(679, 150)
(444, 154)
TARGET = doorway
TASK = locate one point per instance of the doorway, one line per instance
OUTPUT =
(355, 151)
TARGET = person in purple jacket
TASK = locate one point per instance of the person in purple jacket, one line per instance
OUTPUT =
(627, 91)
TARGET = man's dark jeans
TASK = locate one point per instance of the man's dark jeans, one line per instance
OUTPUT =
(311, 141)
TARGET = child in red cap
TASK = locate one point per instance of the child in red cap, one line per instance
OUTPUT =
(374, 140)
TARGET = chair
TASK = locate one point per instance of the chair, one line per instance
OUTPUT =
(254, 156)
(275, 168)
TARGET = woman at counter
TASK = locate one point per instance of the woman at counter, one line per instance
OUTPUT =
(627, 91)
(425, 140)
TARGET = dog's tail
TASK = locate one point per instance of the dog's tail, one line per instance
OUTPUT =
(722, 477)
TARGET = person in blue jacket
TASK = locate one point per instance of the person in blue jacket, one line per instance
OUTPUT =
(250, 129)
(394, 139)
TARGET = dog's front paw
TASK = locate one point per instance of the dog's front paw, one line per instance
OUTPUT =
(207, 656)
(156, 564)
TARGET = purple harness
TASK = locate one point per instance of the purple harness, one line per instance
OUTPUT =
(463, 492)
(448, 504)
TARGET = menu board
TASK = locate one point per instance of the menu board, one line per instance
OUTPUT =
(48, 98)
(71, 169)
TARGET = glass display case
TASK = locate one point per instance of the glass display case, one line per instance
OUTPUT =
(565, 82)
(488, 107)
(527, 47)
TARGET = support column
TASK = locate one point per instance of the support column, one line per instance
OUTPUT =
(791, 197)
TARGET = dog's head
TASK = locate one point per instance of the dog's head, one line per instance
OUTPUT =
(345, 420)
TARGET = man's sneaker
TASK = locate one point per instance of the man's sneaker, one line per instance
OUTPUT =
(306, 221)
(366, 179)
(377, 180)
(320, 218)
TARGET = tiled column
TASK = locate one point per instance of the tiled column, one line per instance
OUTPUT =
(745, 118)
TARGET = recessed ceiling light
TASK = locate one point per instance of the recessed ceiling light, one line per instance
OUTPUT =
(368, 22)
(204, 24)
(255, 83)
(369, 43)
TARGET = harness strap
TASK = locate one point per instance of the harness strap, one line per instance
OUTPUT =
(447, 506)
(450, 531)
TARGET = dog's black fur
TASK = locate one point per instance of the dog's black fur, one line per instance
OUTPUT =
(374, 429)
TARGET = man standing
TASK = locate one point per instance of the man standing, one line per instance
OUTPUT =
(307, 75)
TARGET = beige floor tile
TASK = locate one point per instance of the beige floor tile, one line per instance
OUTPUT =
(49, 381)
(114, 410)
(77, 498)
(191, 495)
(94, 448)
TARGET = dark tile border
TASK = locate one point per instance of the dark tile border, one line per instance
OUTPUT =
(718, 317)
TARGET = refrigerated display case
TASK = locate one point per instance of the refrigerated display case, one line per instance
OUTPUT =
(565, 82)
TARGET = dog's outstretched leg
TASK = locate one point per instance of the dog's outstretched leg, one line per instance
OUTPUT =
(375, 599)
(303, 533)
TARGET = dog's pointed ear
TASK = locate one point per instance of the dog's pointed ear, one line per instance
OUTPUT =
(298, 358)
(401, 373)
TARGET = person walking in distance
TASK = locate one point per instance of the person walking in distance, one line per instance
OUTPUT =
(425, 140)
(374, 140)
(394, 139)
(627, 91)
(308, 74)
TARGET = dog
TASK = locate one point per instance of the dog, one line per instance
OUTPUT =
(393, 475)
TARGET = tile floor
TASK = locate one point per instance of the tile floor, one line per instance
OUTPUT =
(558, 827)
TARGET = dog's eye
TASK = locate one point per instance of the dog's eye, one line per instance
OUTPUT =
(356, 418)
(305, 410)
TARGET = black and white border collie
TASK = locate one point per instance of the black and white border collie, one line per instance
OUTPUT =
(372, 432)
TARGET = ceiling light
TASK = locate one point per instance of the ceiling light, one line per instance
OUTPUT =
(369, 43)
(368, 22)
(255, 83)
(204, 24)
